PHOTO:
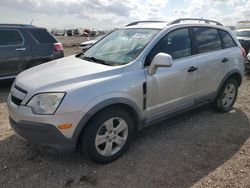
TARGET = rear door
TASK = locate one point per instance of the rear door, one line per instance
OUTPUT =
(43, 47)
(173, 88)
(12, 52)
(211, 70)
(230, 53)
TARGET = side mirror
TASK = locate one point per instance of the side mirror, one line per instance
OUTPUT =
(160, 60)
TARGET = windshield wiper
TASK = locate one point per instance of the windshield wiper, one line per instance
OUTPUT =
(93, 59)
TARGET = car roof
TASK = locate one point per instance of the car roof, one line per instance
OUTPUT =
(149, 25)
(19, 26)
(182, 21)
(162, 26)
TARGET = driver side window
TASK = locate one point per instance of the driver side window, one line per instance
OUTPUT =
(177, 43)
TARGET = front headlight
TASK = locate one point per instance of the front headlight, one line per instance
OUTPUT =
(45, 103)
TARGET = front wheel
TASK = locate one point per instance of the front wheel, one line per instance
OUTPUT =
(107, 135)
(227, 96)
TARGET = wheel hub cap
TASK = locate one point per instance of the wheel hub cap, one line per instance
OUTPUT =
(228, 95)
(111, 136)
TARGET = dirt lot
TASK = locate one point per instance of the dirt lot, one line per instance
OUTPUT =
(71, 44)
(201, 148)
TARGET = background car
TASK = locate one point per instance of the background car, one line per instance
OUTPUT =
(69, 32)
(24, 46)
(58, 32)
(87, 44)
(243, 35)
(247, 64)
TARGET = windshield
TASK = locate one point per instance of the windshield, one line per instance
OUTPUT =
(243, 34)
(120, 47)
(99, 37)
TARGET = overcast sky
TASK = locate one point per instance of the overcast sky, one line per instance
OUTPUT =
(106, 14)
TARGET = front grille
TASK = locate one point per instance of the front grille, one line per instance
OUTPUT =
(16, 100)
(17, 95)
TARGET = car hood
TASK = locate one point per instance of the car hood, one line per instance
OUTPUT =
(64, 74)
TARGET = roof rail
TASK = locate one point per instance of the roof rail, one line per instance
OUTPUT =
(196, 19)
(137, 22)
(16, 25)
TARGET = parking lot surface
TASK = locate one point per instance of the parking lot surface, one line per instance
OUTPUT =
(200, 148)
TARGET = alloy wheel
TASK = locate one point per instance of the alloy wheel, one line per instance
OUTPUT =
(111, 136)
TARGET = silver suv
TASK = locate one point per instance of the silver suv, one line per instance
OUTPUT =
(130, 79)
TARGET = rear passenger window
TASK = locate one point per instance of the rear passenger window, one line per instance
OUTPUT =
(208, 39)
(10, 37)
(42, 36)
(177, 44)
(227, 39)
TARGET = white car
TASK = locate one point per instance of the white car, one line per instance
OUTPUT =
(131, 79)
(87, 44)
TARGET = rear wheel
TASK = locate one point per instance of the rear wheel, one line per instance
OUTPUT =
(227, 96)
(107, 135)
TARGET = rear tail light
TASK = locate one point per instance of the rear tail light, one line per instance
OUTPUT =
(243, 52)
(58, 47)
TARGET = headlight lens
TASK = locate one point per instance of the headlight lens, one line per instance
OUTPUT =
(45, 103)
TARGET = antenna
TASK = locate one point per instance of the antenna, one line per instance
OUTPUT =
(201, 19)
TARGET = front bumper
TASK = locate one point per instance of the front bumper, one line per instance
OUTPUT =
(43, 135)
(42, 130)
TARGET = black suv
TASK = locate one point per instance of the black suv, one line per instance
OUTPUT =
(24, 46)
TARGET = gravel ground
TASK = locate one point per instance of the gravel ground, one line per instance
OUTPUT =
(200, 148)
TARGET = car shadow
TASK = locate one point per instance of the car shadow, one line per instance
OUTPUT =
(247, 75)
(177, 152)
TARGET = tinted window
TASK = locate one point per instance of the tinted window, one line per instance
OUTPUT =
(208, 39)
(227, 39)
(176, 43)
(10, 37)
(42, 36)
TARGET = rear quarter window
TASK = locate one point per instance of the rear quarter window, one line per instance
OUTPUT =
(42, 36)
(208, 39)
(227, 40)
(10, 37)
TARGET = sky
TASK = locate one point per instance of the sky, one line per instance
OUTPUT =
(109, 14)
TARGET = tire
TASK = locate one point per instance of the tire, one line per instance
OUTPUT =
(107, 135)
(227, 96)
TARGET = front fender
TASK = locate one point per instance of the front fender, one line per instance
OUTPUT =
(100, 103)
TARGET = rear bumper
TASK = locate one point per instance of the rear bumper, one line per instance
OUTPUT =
(43, 135)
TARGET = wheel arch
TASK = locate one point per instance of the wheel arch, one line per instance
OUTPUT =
(232, 74)
(124, 103)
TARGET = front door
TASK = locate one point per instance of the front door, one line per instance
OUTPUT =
(172, 88)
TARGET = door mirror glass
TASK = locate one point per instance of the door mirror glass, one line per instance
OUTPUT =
(160, 60)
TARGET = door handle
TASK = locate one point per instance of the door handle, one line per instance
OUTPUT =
(20, 49)
(224, 60)
(192, 69)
